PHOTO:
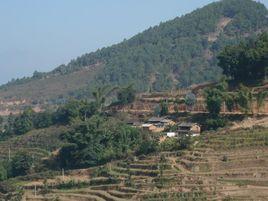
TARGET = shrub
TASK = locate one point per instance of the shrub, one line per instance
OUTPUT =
(213, 124)
(3, 173)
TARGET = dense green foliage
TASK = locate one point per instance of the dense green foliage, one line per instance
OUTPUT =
(23, 123)
(179, 52)
(214, 100)
(190, 100)
(21, 164)
(97, 141)
(126, 95)
(244, 99)
(163, 108)
(246, 63)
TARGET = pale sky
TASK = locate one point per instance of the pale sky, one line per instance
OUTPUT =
(42, 34)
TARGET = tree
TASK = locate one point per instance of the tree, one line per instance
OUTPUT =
(126, 95)
(100, 95)
(190, 100)
(42, 120)
(24, 122)
(163, 108)
(98, 140)
(88, 109)
(230, 101)
(66, 113)
(214, 101)
(246, 63)
(9, 126)
(157, 110)
(21, 164)
(245, 99)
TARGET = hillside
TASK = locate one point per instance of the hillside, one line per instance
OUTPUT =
(229, 166)
(177, 53)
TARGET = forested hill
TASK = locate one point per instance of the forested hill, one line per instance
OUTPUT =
(176, 53)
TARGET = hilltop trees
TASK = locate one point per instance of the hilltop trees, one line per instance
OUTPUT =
(246, 63)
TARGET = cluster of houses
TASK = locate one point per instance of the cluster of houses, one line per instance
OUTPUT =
(161, 124)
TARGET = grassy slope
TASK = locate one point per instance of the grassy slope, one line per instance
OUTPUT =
(52, 87)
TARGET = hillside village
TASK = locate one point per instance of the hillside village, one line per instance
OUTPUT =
(115, 128)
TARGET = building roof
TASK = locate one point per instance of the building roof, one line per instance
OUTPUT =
(187, 124)
(155, 119)
(134, 123)
(158, 119)
(146, 125)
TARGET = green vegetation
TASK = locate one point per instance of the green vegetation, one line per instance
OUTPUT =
(133, 163)
(214, 101)
(178, 53)
(247, 62)
(163, 108)
(97, 141)
(190, 100)
(21, 164)
(261, 96)
(3, 172)
(175, 144)
(126, 95)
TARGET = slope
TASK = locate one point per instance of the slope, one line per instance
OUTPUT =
(174, 54)
(230, 166)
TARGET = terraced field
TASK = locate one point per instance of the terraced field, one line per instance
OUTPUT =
(229, 166)
(40, 143)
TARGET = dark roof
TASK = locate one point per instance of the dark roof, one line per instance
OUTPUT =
(156, 119)
(187, 124)
(135, 123)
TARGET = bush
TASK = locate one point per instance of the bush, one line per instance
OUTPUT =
(175, 144)
(147, 147)
(214, 124)
(3, 173)
(224, 158)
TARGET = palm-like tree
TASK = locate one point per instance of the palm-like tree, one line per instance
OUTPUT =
(100, 95)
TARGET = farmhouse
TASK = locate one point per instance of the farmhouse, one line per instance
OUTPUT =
(149, 127)
(189, 128)
(160, 122)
